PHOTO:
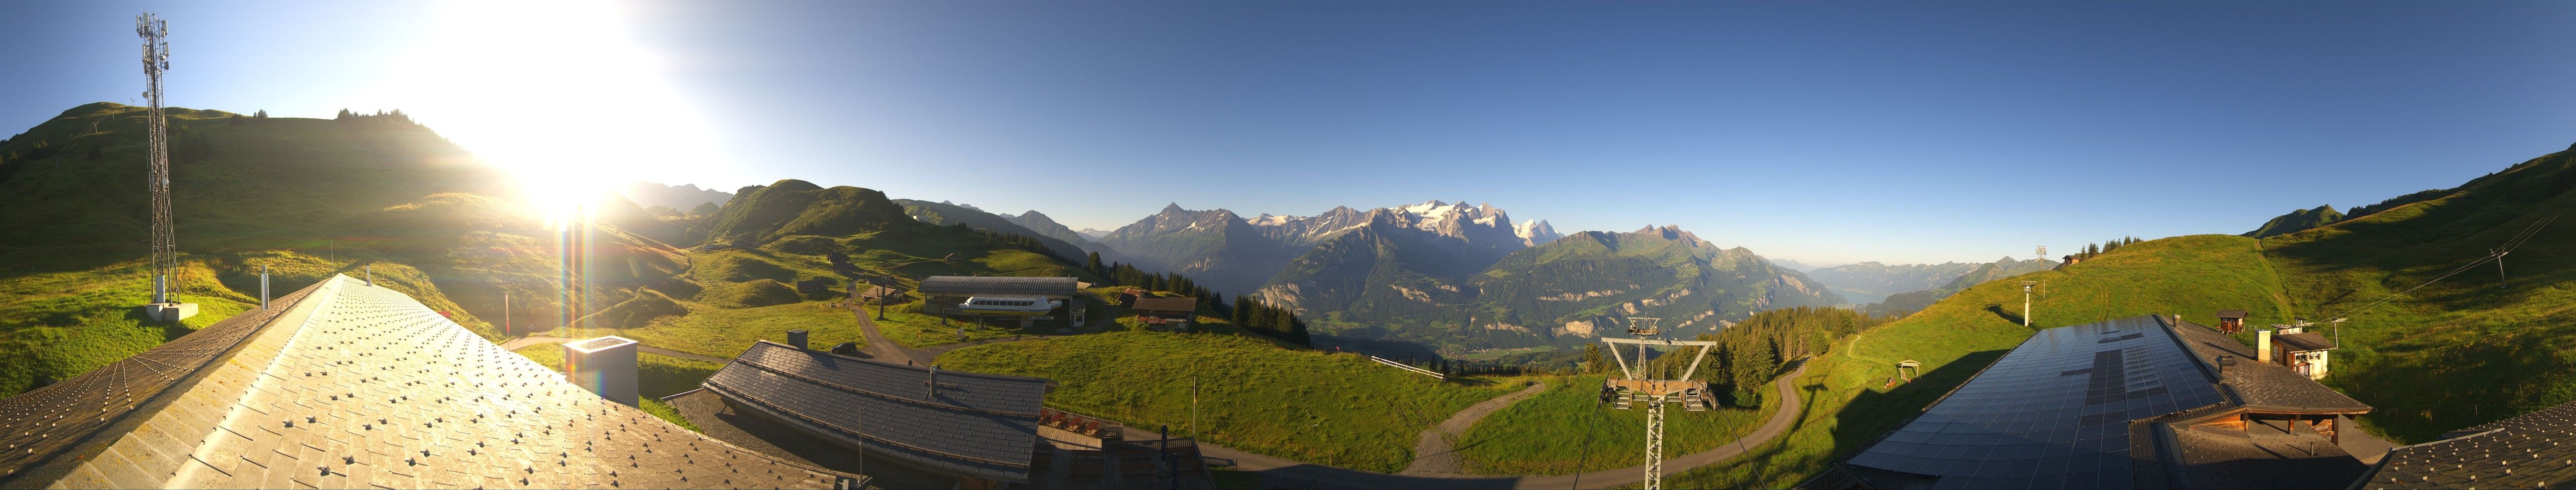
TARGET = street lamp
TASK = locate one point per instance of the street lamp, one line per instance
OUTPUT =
(2025, 301)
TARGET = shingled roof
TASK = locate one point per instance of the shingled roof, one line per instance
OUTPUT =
(2270, 387)
(980, 425)
(1063, 287)
(349, 385)
(2534, 450)
(1176, 304)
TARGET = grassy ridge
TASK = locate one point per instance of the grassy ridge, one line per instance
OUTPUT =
(2495, 346)
(1848, 404)
(1340, 410)
(1567, 430)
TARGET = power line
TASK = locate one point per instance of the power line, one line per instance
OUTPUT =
(2493, 255)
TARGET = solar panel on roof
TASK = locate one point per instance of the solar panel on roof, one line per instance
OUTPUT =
(2053, 413)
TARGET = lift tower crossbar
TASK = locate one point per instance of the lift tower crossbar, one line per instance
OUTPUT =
(1635, 385)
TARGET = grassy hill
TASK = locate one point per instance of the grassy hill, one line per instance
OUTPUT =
(311, 197)
(1335, 409)
(1568, 430)
(1848, 403)
(2469, 349)
(2298, 220)
(306, 197)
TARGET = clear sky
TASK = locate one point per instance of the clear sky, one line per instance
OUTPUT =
(1823, 132)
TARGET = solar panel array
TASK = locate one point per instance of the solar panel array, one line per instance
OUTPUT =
(2053, 413)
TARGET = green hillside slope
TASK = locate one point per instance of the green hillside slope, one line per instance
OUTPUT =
(1848, 403)
(305, 197)
(1334, 409)
(2298, 220)
(2471, 348)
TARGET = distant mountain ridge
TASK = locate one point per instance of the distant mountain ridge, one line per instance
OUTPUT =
(683, 197)
(1871, 282)
(1999, 269)
(1396, 283)
(1233, 254)
(947, 213)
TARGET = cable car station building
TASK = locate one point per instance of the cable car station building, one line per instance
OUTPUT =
(2139, 402)
(943, 295)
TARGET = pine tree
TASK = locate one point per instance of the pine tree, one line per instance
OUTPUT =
(1093, 264)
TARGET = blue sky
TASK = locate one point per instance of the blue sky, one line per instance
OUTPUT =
(1823, 132)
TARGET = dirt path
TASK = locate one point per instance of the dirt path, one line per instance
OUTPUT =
(1436, 454)
(523, 342)
(882, 348)
(1285, 473)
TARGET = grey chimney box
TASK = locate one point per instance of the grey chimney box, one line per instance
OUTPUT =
(797, 338)
(605, 366)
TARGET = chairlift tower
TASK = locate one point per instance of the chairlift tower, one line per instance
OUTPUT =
(1633, 386)
(165, 248)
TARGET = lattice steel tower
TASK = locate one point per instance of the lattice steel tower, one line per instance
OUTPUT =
(156, 59)
(1637, 385)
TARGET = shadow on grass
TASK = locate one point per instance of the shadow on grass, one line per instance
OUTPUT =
(1872, 414)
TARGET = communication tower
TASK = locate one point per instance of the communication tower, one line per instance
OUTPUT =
(2043, 252)
(165, 248)
(1634, 386)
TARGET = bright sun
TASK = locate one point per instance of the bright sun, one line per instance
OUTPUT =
(556, 93)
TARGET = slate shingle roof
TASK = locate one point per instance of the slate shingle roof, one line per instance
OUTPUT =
(980, 425)
(2270, 387)
(1060, 287)
(2303, 342)
(358, 386)
(43, 424)
(1183, 305)
(2534, 450)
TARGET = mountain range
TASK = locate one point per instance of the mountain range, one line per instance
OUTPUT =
(1871, 282)
(686, 198)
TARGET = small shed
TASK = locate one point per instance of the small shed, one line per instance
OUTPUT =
(2231, 321)
(815, 285)
(2304, 352)
(1174, 311)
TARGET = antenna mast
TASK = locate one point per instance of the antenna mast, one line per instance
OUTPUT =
(156, 59)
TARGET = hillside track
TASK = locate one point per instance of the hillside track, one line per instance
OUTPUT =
(1436, 452)
(1284, 473)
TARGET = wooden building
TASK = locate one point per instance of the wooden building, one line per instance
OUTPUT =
(2231, 321)
(2303, 352)
(1173, 314)
(944, 293)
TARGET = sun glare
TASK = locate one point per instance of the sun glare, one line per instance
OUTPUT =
(558, 94)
